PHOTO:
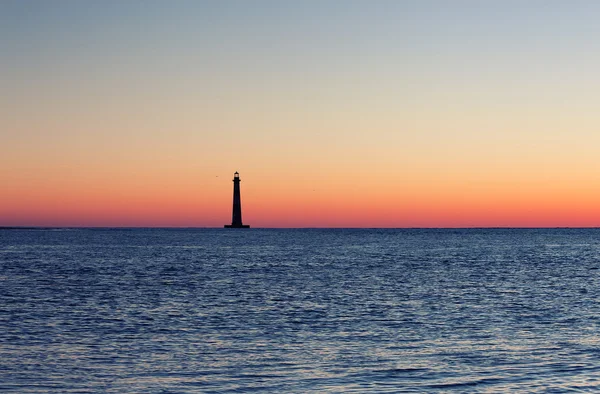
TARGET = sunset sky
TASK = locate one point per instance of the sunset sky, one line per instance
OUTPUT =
(336, 113)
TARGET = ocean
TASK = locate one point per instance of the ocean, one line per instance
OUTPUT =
(299, 310)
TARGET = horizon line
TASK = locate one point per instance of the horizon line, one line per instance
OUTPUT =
(299, 228)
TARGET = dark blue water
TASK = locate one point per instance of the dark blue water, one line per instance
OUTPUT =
(215, 310)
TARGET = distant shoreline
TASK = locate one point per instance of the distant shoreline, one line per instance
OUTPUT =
(26, 228)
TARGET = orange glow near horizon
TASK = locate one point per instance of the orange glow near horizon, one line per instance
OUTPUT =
(284, 204)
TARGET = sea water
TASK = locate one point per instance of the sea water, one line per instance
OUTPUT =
(299, 310)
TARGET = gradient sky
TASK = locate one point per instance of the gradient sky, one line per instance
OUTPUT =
(335, 113)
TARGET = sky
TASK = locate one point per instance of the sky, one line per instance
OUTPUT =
(335, 113)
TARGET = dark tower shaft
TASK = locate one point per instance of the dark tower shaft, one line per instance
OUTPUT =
(236, 216)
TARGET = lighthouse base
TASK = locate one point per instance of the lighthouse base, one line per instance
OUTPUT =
(237, 226)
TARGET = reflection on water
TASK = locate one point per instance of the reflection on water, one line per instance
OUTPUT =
(217, 310)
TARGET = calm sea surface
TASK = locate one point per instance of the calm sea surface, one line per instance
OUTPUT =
(284, 311)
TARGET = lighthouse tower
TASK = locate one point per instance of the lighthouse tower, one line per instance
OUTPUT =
(236, 217)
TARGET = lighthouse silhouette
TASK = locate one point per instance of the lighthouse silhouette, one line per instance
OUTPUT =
(236, 217)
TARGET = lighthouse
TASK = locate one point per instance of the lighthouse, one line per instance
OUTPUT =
(236, 217)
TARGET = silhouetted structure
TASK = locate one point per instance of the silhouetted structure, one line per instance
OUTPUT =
(236, 217)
